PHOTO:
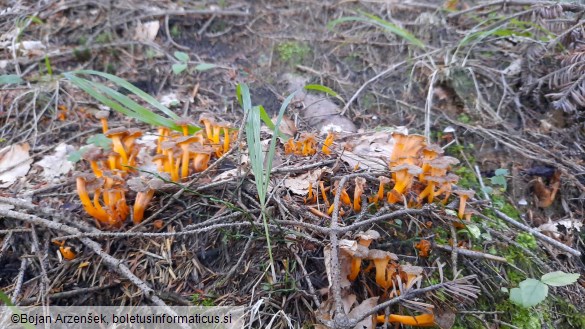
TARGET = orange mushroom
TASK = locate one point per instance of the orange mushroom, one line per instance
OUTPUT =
(430, 152)
(145, 193)
(184, 124)
(116, 135)
(201, 155)
(94, 155)
(429, 191)
(423, 320)
(381, 259)
(424, 248)
(81, 181)
(324, 193)
(163, 133)
(208, 121)
(406, 146)
(360, 184)
(103, 117)
(183, 143)
(311, 197)
(326, 149)
(356, 252)
(464, 195)
(404, 175)
(171, 166)
(366, 238)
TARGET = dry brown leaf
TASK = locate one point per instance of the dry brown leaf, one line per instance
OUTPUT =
(300, 184)
(14, 163)
(546, 195)
(56, 164)
(287, 126)
(365, 306)
(146, 31)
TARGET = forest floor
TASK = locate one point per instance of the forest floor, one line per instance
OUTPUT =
(498, 85)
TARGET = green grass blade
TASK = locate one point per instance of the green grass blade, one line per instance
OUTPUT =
(375, 20)
(133, 89)
(324, 89)
(256, 159)
(139, 112)
(272, 147)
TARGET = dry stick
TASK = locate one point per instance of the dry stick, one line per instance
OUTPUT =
(340, 318)
(5, 244)
(534, 232)
(15, 230)
(309, 283)
(112, 262)
(19, 279)
(454, 251)
(566, 6)
(471, 253)
(157, 235)
(45, 282)
(67, 294)
(46, 211)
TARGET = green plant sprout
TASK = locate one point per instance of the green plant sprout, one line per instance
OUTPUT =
(532, 291)
(183, 64)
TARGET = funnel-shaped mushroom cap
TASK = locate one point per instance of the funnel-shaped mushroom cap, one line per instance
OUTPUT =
(353, 249)
(465, 193)
(117, 132)
(102, 114)
(409, 168)
(366, 238)
(92, 153)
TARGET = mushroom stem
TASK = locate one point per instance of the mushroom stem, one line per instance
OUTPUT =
(119, 148)
(324, 193)
(86, 202)
(423, 320)
(142, 200)
(462, 201)
(356, 264)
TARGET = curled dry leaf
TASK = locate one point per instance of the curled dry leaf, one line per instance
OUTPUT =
(14, 163)
(546, 194)
(371, 151)
(56, 164)
(300, 184)
(365, 306)
(147, 31)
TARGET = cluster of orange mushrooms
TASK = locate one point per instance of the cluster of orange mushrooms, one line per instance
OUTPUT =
(419, 173)
(114, 171)
(391, 276)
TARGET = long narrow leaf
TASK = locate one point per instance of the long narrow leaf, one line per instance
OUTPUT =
(324, 89)
(272, 146)
(375, 20)
(133, 89)
(137, 111)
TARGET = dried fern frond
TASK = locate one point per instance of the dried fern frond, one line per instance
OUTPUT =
(548, 12)
(571, 97)
(462, 289)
